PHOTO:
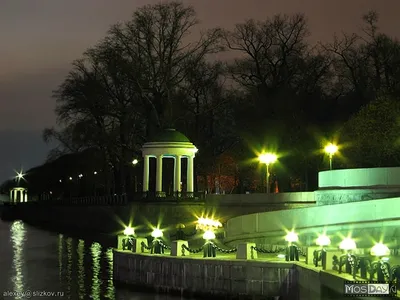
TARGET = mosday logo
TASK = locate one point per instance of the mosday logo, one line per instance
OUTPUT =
(378, 289)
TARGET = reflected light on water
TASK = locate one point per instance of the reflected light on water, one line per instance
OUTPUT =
(60, 255)
(95, 250)
(110, 292)
(69, 265)
(81, 269)
(18, 240)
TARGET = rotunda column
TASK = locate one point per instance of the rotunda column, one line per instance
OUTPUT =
(26, 195)
(178, 173)
(146, 173)
(190, 174)
(159, 174)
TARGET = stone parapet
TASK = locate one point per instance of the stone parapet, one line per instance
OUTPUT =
(229, 278)
(340, 196)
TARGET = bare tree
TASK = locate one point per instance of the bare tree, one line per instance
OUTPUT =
(367, 65)
(156, 41)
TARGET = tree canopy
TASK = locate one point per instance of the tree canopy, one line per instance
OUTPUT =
(372, 134)
(280, 93)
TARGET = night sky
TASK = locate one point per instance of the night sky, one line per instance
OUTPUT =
(40, 38)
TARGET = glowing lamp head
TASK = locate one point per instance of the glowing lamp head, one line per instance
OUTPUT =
(157, 233)
(348, 244)
(135, 162)
(291, 237)
(20, 175)
(207, 224)
(267, 158)
(380, 249)
(323, 240)
(331, 149)
(129, 231)
(209, 235)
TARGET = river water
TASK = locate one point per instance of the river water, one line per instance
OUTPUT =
(38, 264)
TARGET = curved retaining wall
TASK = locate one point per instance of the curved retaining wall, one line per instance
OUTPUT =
(351, 178)
(366, 220)
(339, 196)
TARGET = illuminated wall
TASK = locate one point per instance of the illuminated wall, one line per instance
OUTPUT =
(374, 219)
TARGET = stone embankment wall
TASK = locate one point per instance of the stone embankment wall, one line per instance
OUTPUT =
(237, 279)
(207, 277)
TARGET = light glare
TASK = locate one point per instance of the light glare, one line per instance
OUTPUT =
(380, 249)
(209, 235)
(267, 158)
(157, 233)
(129, 231)
(323, 240)
(207, 224)
(331, 149)
(348, 244)
(291, 237)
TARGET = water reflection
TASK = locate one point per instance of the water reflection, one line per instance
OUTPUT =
(17, 236)
(60, 255)
(81, 269)
(87, 271)
(69, 265)
(95, 249)
(74, 268)
(110, 293)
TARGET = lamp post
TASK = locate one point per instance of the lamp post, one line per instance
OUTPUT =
(209, 250)
(125, 242)
(267, 159)
(134, 163)
(381, 266)
(348, 258)
(320, 255)
(292, 251)
(330, 149)
(157, 246)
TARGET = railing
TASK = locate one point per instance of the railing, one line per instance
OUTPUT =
(143, 197)
(366, 267)
(174, 196)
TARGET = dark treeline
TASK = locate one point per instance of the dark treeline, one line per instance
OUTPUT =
(280, 94)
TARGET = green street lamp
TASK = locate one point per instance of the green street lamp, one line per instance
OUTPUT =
(134, 163)
(320, 255)
(331, 149)
(381, 266)
(292, 251)
(348, 259)
(267, 159)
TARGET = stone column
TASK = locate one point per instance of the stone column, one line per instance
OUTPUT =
(21, 195)
(146, 173)
(11, 195)
(190, 174)
(159, 174)
(178, 173)
(26, 196)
